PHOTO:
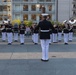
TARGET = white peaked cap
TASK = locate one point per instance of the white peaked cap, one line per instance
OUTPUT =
(44, 14)
(5, 21)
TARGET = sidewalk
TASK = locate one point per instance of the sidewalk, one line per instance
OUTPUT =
(19, 59)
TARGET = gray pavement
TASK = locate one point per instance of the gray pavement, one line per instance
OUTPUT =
(24, 59)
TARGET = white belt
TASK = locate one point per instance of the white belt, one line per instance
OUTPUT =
(44, 30)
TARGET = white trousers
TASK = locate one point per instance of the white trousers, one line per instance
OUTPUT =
(70, 36)
(15, 36)
(59, 36)
(54, 37)
(9, 37)
(51, 38)
(66, 37)
(3, 36)
(35, 38)
(45, 49)
(21, 38)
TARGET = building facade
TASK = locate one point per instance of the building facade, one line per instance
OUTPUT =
(28, 10)
(58, 10)
(74, 8)
(5, 9)
(65, 8)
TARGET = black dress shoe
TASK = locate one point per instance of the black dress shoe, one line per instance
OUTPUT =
(9, 43)
(49, 43)
(55, 42)
(59, 41)
(22, 44)
(70, 40)
(15, 41)
(3, 40)
(44, 60)
(35, 43)
(66, 43)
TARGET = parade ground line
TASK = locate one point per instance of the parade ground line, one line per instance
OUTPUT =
(36, 55)
(30, 43)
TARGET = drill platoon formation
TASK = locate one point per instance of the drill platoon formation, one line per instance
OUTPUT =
(17, 32)
(45, 30)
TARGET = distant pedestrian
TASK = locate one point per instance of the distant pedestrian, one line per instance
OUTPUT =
(22, 33)
(35, 35)
(28, 31)
(9, 33)
(59, 33)
(15, 30)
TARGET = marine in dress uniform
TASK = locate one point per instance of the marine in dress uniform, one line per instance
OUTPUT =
(9, 33)
(32, 32)
(44, 26)
(22, 33)
(3, 30)
(66, 33)
(55, 33)
(71, 23)
(59, 33)
(35, 35)
(15, 31)
(71, 33)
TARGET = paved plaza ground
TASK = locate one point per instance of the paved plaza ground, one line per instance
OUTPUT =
(24, 59)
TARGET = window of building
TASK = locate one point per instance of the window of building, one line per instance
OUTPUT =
(8, 8)
(25, 17)
(6, 0)
(25, 0)
(40, 17)
(40, 8)
(17, 8)
(41, 0)
(1, 8)
(33, 7)
(50, 7)
(1, 17)
(74, 13)
(9, 16)
(16, 0)
(5, 7)
(74, 6)
(33, 17)
(49, 17)
(5, 16)
(25, 7)
(48, 0)
(17, 16)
